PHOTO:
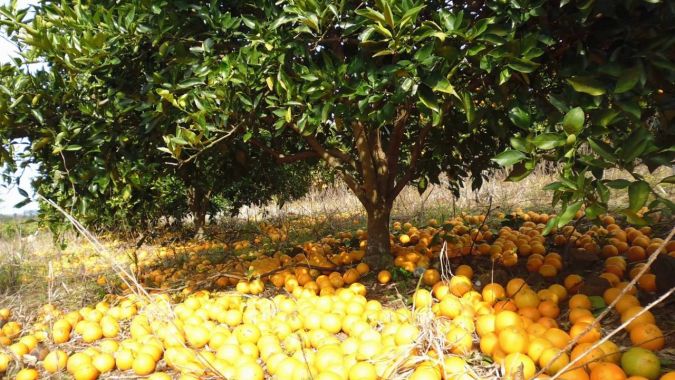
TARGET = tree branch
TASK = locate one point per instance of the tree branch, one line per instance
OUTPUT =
(285, 158)
(414, 157)
(210, 145)
(394, 147)
(335, 163)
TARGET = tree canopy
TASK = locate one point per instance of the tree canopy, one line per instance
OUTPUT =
(386, 93)
(96, 130)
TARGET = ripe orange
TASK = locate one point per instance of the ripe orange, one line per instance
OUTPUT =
(647, 282)
(644, 318)
(384, 277)
(537, 346)
(124, 359)
(55, 361)
(459, 285)
(77, 360)
(493, 292)
(607, 371)
(507, 318)
(578, 329)
(513, 339)
(431, 277)
(103, 362)
(515, 362)
(549, 309)
(485, 324)
(488, 343)
(648, 336)
(460, 340)
(248, 370)
(464, 270)
(578, 313)
(636, 253)
(573, 282)
(546, 360)
(406, 334)
(515, 285)
(450, 307)
(574, 374)
(27, 374)
(580, 300)
(197, 336)
(422, 299)
(559, 290)
(626, 302)
(426, 371)
(530, 313)
(557, 337)
(362, 371)
(526, 298)
(638, 361)
(143, 365)
(86, 372)
(589, 360)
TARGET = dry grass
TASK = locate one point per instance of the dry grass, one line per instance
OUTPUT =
(337, 201)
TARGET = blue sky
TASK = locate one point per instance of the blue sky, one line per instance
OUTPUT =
(10, 196)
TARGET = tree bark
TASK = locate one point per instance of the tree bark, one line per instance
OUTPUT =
(378, 251)
(199, 201)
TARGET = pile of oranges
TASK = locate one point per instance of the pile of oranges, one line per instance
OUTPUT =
(319, 323)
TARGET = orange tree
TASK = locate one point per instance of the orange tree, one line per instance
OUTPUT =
(389, 93)
(92, 120)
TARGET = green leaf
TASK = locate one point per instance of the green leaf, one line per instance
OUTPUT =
(509, 157)
(443, 85)
(504, 76)
(568, 213)
(468, 107)
(549, 226)
(520, 144)
(547, 141)
(633, 218)
(522, 65)
(38, 115)
(602, 150)
(618, 184)
(520, 117)
(411, 14)
(72, 148)
(384, 52)
(670, 179)
(573, 122)
(520, 171)
(628, 79)
(429, 99)
(371, 14)
(586, 84)
(638, 192)
(594, 210)
(388, 16)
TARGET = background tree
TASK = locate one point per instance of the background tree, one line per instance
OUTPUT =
(96, 125)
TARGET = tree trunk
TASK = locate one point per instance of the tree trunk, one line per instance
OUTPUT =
(378, 251)
(199, 200)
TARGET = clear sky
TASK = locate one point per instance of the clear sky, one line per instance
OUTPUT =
(10, 196)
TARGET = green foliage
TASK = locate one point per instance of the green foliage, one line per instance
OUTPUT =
(97, 116)
(385, 92)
